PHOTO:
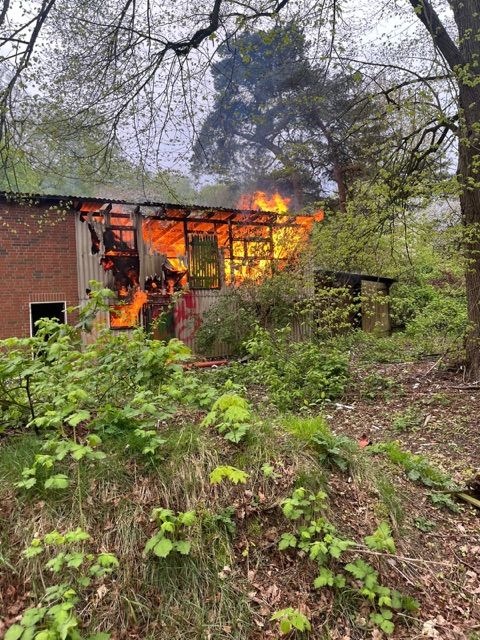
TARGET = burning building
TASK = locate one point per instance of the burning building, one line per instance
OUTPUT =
(52, 246)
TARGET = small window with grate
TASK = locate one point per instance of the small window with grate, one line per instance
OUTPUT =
(204, 264)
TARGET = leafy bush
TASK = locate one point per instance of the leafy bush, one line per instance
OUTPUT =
(232, 416)
(444, 315)
(296, 374)
(417, 467)
(232, 320)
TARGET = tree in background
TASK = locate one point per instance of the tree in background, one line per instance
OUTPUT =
(279, 119)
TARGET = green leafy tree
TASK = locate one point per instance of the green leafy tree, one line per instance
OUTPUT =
(276, 116)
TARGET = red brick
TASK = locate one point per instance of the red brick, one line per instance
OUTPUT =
(37, 256)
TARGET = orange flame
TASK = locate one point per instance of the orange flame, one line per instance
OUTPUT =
(287, 240)
(263, 202)
(125, 316)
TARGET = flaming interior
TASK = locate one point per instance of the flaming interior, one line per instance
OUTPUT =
(125, 316)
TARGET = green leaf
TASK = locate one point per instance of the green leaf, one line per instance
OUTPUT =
(75, 560)
(14, 632)
(233, 474)
(79, 416)
(163, 548)
(107, 560)
(325, 578)
(93, 441)
(381, 539)
(188, 518)
(285, 626)
(287, 540)
(387, 626)
(58, 481)
(183, 547)
(32, 616)
(26, 484)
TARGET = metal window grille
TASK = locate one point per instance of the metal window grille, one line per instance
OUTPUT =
(204, 264)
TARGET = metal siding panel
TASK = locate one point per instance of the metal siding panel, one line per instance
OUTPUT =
(88, 265)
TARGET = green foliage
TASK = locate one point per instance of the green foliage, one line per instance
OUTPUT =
(270, 304)
(296, 374)
(290, 619)
(268, 471)
(317, 538)
(171, 533)
(375, 385)
(303, 504)
(234, 475)
(445, 501)
(56, 451)
(424, 524)
(65, 386)
(407, 420)
(381, 539)
(232, 416)
(332, 450)
(54, 617)
(416, 466)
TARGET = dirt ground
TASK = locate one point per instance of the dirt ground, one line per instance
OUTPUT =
(445, 428)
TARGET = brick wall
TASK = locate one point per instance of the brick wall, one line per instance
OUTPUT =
(37, 262)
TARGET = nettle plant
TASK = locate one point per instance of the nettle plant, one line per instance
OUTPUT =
(54, 617)
(172, 533)
(317, 538)
(231, 415)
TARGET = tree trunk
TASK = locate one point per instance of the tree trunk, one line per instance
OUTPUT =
(339, 177)
(463, 55)
(469, 178)
(468, 22)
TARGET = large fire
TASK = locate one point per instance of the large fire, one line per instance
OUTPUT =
(218, 246)
(263, 202)
(286, 239)
(125, 315)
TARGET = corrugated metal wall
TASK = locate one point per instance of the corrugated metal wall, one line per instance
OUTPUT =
(188, 314)
(88, 265)
(89, 268)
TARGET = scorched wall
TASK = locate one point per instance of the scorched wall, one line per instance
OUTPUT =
(38, 262)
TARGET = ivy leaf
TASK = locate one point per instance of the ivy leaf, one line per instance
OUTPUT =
(163, 548)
